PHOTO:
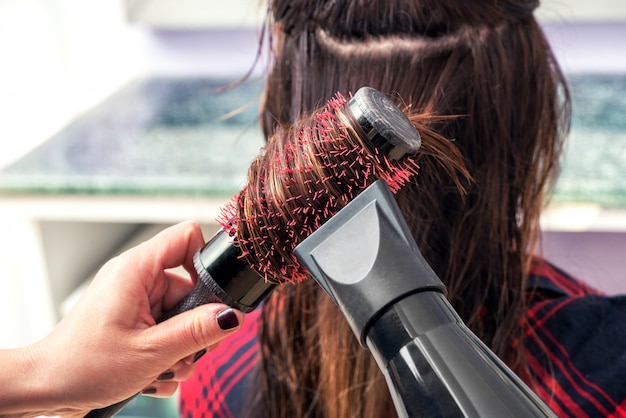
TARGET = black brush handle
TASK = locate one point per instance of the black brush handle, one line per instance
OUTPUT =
(223, 277)
(200, 295)
(110, 410)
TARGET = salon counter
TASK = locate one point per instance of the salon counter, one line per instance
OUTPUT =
(157, 152)
(163, 150)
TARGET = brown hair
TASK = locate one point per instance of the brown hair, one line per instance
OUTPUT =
(488, 64)
(310, 170)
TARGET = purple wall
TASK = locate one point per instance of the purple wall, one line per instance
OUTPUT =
(589, 47)
(580, 47)
(598, 258)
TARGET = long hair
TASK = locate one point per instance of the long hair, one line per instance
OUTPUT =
(486, 73)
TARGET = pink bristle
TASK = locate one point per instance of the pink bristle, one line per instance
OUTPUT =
(302, 179)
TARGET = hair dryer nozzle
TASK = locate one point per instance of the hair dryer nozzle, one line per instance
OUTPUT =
(349, 257)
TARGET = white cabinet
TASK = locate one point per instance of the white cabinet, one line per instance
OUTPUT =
(49, 245)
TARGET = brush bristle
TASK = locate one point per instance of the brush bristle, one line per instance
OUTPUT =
(303, 176)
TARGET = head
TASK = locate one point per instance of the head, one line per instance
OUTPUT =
(484, 73)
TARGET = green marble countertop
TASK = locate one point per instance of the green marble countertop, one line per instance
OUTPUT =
(173, 136)
(594, 161)
(159, 136)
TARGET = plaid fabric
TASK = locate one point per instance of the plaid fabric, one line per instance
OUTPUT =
(576, 346)
(575, 341)
(219, 387)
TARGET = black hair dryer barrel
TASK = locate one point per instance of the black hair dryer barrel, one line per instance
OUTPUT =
(367, 261)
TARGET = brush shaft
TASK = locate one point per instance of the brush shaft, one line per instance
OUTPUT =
(310, 170)
(200, 295)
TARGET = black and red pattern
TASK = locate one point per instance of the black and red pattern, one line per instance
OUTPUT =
(575, 345)
(219, 386)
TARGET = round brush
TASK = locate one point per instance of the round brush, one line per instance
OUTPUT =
(303, 176)
(309, 171)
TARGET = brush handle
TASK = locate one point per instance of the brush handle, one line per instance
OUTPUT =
(110, 410)
(200, 295)
(223, 277)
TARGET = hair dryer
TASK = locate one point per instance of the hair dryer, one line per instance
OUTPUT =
(366, 259)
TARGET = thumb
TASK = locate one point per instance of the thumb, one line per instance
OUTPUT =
(188, 332)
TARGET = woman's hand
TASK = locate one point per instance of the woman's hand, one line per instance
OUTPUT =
(109, 347)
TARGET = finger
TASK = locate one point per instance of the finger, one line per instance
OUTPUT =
(178, 372)
(160, 389)
(174, 288)
(189, 332)
(177, 288)
(167, 382)
(195, 357)
(174, 246)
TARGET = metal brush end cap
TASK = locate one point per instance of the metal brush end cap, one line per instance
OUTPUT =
(386, 126)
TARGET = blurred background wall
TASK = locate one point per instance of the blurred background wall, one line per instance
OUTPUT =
(59, 58)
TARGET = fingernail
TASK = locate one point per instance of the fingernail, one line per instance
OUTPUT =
(167, 375)
(199, 354)
(227, 319)
(149, 391)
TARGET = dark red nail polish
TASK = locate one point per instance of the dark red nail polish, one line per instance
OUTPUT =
(199, 354)
(227, 319)
(149, 391)
(167, 375)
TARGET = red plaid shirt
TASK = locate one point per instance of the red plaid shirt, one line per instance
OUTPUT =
(575, 345)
